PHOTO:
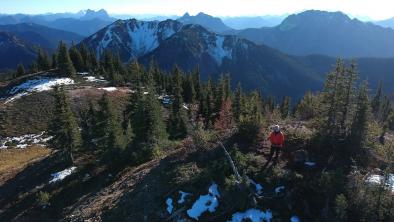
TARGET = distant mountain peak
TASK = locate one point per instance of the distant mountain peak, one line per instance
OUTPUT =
(91, 14)
(207, 21)
(314, 17)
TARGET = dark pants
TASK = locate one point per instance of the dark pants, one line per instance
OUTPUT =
(276, 150)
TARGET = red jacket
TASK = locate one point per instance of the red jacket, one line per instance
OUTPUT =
(277, 139)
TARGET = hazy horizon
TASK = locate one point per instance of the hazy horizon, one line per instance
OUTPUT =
(366, 10)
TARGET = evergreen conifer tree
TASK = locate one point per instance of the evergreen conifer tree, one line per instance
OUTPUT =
(177, 121)
(285, 107)
(359, 130)
(63, 127)
(20, 70)
(76, 58)
(64, 62)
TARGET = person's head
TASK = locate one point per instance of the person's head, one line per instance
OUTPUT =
(276, 128)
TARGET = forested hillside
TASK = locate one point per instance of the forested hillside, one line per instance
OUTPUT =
(121, 142)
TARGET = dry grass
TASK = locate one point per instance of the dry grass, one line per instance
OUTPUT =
(14, 160)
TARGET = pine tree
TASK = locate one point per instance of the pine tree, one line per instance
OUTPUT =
(63, 127)
(147, 123)
(338, 102)
(189, 93)
(84, 52)
(33, 67)
(285, 107)
(43, 60)
(112, 139)
(134, 73)
(384, 110)
(54, 61)
(376, 101)
(20, 70)
(76, 59)
(359, 130)
(89, 125)
(197, 83)
(307, 107)
(64, 62)
(177, 121)
(238, 102)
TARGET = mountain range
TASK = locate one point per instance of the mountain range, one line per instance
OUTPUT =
(83, 23)
(271, 59)
(255, 65)
(326, 33)
(47, 38)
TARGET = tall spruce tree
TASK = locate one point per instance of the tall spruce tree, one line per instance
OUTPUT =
(177, 120)
(43, 60)
(377, 99)
(20, 70)
(112, 140)
(359, 130)
(189, 93)
(64, 62)
(285, 107)
(197, 83)
(238, 102)
(76, 58)
(89, 125)
(63, 127)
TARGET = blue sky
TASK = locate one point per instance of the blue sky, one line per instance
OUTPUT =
(375, 9)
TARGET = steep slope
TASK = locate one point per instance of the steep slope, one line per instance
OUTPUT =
(257, 67)
(209, 22)
(13, 51)
(132, 38)
(327, 33)
(40, 35)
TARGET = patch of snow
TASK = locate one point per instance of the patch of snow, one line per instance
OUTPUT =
(183, 197)
(143, 37)
(294, 219)
(279, 189)
(259, 187)
(169, 205)
(93, 79)
(375, 179)
(205, 203)
(310, 163)
(83, 73)
(36, 85)
(109, 89)
(218, 50)
(42, 84)
(23, 141)
(146, 93)
(59, 176)
(21, 146)
(185, 107)
(253, 215)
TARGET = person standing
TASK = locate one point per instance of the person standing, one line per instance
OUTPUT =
(277, 140)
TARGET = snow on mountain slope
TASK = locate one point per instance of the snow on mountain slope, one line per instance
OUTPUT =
(219, 51)
(132, 38)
